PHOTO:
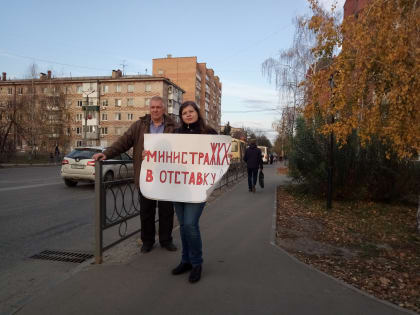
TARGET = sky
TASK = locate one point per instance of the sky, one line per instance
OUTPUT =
(93, 37)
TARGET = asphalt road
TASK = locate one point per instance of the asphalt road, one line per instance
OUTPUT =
(38, 212)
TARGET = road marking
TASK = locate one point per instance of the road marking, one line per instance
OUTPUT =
(28, 186)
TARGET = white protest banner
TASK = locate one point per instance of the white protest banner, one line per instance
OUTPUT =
(182, 167)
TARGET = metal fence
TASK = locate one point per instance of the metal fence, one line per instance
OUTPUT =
(117, 203)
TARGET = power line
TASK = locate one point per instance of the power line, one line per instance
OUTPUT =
(52, 62)
(257, 42)
(250, 111)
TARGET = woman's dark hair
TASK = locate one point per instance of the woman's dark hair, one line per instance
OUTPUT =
(202, 125)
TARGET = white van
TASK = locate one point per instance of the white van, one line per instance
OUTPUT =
(264, 152)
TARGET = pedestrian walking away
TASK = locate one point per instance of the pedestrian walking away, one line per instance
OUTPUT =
(154, 123)
(253, 159)
(57, 154)
(189, 214)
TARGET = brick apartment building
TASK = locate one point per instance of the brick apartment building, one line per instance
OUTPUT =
(200, 83)
(99, 108)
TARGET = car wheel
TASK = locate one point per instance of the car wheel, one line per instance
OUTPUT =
(109, 176)
(70, 183)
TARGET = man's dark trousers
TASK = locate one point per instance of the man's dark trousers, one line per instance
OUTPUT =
(147, 218)
(252, 177)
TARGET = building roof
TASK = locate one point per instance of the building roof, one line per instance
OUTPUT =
(92, 78)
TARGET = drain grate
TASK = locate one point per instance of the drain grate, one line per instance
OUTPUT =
(64, 256)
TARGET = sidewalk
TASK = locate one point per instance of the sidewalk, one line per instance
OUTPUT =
(243, 273)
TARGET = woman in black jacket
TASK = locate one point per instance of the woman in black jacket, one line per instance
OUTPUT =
(189, 213)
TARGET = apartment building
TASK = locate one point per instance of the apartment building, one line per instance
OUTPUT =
(97, 109)
(200, 83)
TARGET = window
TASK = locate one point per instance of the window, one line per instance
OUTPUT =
(118, 102)
(79, 117)
(68, 103)
(79, 89)
(78, 131)
(105, 102)
(118, 88)
(160, 71)
(105, 88)
(117, 116)
(9, 91)
(104, 130)
(129, 116)
(79, 103)
(130, 101)
(20, 91)
(130, 88)
(79, 143)
(118, 131)
(88, 129)
(147, 101)
(104, 116)
(148, 87)
(68, 89)
(68, 132)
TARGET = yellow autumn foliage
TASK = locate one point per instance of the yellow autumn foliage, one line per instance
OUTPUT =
(376, 87)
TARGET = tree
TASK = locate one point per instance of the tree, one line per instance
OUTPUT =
(289, 72)
(375, 75)
(263, 141)
(227, 129)
(35, 112)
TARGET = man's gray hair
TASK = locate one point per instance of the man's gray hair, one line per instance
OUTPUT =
(158, 98)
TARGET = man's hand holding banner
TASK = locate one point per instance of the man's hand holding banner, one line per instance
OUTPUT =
(182, 167)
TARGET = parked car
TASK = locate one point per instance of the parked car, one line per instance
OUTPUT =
(78, 166)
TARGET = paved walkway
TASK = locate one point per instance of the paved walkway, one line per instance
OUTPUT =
(243, 273)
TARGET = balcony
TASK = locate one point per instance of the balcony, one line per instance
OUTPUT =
(91, 135)
(90, 108)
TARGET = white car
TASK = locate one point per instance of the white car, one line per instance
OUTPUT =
(78, 166)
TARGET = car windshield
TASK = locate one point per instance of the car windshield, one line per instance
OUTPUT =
(82, 153)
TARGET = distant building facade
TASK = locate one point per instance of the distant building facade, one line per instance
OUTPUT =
(200, 83)
(99, 109)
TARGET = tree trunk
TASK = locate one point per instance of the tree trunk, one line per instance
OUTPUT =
(6, 134)
(418, 217)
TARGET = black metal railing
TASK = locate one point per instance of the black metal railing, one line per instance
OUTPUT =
(117, 202)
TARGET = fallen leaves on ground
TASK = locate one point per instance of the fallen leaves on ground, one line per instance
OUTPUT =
(373, 246)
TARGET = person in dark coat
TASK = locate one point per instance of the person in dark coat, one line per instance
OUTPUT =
(155, 122)
(189, 213)
(253, 159)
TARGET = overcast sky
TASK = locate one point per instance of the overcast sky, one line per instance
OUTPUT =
(94, 37)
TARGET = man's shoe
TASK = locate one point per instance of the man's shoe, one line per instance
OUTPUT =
(195, 274)
(250, 189)
(146, 248)
(253, 189)
(182, 268)
(170, 246)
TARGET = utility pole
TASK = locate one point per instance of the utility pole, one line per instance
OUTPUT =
(123, 65)
(86, 116)
(330, 154)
